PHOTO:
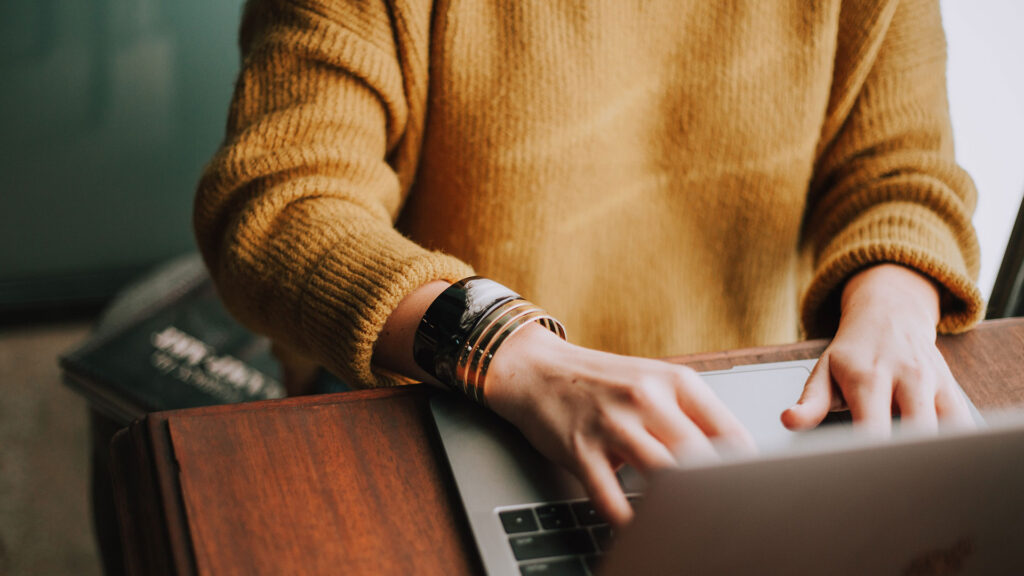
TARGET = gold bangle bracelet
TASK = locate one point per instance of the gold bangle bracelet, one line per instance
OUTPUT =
(463, 327)
(481, 332)
(476, 373)
(488, 327)
(545, 320)
(476, 370)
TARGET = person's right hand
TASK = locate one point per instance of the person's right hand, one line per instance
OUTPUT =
(592, 411)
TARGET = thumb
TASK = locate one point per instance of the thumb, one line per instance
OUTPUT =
(815, 401)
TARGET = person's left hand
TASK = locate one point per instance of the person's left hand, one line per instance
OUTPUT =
(883, 359)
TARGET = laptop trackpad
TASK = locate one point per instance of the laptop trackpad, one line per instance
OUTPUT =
(758, 398)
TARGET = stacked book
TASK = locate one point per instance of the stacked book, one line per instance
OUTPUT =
(167, 342)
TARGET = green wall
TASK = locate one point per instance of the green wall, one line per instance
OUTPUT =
(108, 111)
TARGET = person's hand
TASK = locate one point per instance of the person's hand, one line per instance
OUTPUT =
(593, 411)
(883, 359)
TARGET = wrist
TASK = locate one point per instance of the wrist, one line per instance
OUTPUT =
(395, 343)
(892, 289)
(462, 330)
(526, 359)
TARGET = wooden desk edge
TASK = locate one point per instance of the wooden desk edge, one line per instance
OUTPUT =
(144, 453)
(151, 512)
(140, 511)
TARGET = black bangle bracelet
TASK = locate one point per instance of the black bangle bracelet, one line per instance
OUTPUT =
(447, 323)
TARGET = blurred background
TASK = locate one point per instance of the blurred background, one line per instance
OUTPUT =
(109, 109)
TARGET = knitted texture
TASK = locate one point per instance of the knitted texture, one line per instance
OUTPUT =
(664, 177)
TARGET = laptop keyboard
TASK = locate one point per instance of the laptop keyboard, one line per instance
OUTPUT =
(563, 538)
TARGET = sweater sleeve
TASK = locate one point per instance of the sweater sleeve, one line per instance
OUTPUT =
(295, 214)
(886, 186)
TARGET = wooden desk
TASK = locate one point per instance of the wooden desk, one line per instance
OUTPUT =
(357, 482)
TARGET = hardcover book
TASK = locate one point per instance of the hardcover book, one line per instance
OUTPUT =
(167, 342)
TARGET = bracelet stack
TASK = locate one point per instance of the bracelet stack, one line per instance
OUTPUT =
(463, 328)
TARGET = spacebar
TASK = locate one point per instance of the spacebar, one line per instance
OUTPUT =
(565, 543)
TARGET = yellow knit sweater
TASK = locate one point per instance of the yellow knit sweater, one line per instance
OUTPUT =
(663, 176)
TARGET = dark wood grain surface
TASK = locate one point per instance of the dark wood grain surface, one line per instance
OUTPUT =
(357, 483)
(348, 484)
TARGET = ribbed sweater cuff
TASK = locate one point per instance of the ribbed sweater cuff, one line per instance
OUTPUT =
(350, 295)
(900, 233)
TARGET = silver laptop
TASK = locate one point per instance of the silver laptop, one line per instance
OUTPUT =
(808, 502)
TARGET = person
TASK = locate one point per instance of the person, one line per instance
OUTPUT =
(662, 177)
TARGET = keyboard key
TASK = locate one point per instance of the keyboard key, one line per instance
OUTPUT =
(603, 537)
(555, 516)
(593, 562)
(568, 567)
(586, 514)
(516, 521)
(547, 545)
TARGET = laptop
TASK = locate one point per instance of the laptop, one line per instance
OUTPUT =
(830, 500)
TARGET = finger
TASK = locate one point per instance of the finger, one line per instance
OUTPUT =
(705, 412)
(913, 396)
(952, 409)
(870, 400)
(602, 485)
(670, 426)
(642, 450)
(917, 405)
(815, 401)
(693, 445)
(951, 404)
